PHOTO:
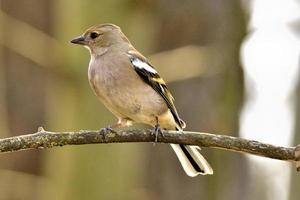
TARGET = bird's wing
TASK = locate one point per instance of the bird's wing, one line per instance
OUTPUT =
(148, 74)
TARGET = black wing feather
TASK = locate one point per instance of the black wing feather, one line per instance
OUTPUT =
(161, 88)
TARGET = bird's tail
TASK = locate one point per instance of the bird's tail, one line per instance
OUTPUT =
(191, 160)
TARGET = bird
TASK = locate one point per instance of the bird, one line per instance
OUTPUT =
(132, 90)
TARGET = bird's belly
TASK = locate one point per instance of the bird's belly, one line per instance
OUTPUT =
(139, 102)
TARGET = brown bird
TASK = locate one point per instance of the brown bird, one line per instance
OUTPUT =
(130, 87)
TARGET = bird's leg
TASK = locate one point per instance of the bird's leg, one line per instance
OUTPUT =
(156, 130)
(121, 123)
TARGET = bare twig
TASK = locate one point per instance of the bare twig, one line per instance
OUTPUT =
(47, 139)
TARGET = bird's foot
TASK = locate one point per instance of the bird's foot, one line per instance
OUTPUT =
(104, 131)
(156, 131)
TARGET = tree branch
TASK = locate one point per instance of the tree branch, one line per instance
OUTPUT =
(47, 139)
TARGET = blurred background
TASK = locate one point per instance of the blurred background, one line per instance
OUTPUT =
(233, 68)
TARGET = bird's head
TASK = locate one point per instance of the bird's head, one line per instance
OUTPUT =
(99, 37)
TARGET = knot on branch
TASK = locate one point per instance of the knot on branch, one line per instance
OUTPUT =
(41, 129)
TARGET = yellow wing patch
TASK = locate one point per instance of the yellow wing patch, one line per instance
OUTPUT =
(159, 80)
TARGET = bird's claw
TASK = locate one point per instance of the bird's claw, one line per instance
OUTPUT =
(156, 131)
(104, 131)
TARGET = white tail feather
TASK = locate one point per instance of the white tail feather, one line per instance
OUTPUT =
(198, 159)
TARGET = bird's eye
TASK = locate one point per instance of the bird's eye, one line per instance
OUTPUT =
(94, 35)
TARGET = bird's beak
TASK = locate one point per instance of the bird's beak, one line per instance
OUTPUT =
(79, 40)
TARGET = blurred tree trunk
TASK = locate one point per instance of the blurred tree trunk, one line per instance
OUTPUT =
(3, 101)
(24, 95)
(90, 171)
(210, 103)
(295, 181)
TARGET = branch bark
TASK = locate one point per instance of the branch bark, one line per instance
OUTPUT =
(46, 139)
